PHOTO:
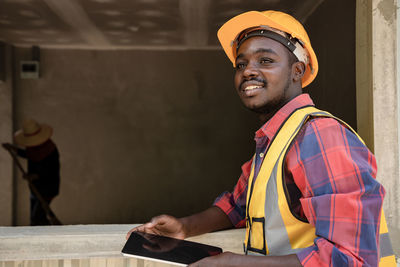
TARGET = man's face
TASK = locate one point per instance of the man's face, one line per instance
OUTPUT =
(263, 76)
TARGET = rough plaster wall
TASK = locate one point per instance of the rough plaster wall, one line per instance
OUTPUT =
(386, 110)
(334, 89)
(387, 9)
(139, 132)
(6, 181)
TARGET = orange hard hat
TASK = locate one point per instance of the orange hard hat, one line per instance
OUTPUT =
(229, 32)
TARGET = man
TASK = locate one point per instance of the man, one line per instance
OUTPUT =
(309, 196)
(43, 165)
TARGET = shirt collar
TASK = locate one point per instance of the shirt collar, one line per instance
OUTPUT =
(270, 128)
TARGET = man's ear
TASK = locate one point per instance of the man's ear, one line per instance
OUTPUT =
(298, 69)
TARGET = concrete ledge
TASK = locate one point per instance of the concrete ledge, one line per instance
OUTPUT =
(86, 241)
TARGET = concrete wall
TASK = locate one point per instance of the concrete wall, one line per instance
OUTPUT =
(139, 132)
(333, 41)
(386, 108)
(6, 107)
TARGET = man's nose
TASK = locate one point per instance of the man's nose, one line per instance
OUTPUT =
(250, 70)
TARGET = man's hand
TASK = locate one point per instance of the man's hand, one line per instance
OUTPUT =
(212, 219)
(162, 225)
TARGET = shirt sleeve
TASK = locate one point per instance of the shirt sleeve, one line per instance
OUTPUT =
(233, 204)
(335, 173)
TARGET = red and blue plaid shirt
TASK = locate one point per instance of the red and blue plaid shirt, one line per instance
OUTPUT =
(330, 176)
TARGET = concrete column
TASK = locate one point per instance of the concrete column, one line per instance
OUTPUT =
(6, 128)
(378, 98)
(364, 97)
(378, 111)
(385, 108)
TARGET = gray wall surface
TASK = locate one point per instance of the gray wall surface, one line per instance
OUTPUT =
(139, 132)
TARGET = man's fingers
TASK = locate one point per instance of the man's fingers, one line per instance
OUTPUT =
(146, 228)
(159, 220)
(159, 225)
(139, 228)
(129, 234)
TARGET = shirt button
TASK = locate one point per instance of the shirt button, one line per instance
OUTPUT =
(261, 155)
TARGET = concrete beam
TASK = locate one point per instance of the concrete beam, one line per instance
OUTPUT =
(74, 15)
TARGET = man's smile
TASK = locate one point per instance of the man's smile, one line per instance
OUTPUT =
(252, 87)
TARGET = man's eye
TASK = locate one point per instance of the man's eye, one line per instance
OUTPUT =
(240, 66)
(265, 60)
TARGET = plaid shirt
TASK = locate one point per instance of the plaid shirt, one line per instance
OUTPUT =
(330, 177)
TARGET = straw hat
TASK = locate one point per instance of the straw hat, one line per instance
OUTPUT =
(32, 133)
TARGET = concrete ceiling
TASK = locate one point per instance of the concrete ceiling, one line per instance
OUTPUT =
(128, 23)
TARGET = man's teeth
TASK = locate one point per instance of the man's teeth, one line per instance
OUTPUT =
(252, 87)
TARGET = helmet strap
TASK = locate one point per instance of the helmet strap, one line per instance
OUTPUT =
(289, 44)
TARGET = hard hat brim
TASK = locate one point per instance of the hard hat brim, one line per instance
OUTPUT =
(228, 33)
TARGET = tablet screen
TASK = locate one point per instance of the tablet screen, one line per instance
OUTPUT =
(167, 249)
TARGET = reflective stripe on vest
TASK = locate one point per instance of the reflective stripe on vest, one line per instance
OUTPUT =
(281, 233)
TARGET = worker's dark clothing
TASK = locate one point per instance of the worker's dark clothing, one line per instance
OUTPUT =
(43, 161)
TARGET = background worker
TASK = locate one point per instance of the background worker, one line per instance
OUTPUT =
(309, 196)
(43, 165)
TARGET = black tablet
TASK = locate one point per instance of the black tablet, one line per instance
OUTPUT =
(166, 249)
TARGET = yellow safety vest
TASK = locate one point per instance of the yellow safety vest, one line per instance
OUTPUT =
(281, 233)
